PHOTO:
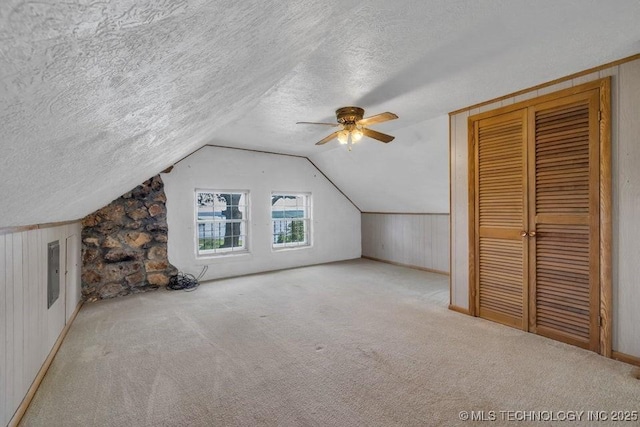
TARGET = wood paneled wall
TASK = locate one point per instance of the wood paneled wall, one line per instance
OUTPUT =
(28, 330)
(625, 128)
(418, 240)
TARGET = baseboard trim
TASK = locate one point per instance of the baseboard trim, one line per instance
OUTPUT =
(26, 401)
(277, 270)
(459, 309)
(626, 358)
(406, 213)
(399, 264)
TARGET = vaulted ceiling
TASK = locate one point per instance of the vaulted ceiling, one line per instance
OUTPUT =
(96, 97)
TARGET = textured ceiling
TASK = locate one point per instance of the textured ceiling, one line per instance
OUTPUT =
(95, 97)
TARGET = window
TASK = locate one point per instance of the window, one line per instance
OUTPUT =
(221, 222)
(290, 218)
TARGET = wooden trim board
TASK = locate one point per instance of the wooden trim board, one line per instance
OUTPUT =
(561, 93)
(21, 228)
(275, 154)
(626, 358)
(250, 149)
(449, 170)
(406, 213)
(471, 206)
(333, 183)
(26, 401)
(275, 270)
(458, 309)
(606, 227)
(399, 264)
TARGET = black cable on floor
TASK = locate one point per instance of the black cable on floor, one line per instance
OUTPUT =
(186, 281)
(183, 281)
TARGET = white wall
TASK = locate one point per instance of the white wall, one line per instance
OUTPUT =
(418, 240)
(625, 100)
(28, 330)
(335, 221)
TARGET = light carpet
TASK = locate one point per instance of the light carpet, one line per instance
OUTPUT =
(356, 343)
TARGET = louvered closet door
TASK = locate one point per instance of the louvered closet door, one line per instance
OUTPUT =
(563, 219)
(501, 206)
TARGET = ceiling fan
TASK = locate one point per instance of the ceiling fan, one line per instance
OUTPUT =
(354, 126)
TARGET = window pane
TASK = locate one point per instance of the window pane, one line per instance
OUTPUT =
(221, 201)
(204, 204)
(209, 236)
(236, 213)
(290, 219)
(205, 199)
(221, 221)
(297, 231)
(279, 229)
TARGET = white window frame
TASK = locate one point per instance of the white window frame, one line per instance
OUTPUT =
(219, 223)
(276, 223)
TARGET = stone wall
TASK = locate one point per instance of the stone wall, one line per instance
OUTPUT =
(124, 244)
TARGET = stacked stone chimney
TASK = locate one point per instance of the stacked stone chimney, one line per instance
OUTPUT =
(124, 244)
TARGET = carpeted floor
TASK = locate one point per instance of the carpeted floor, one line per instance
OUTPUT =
(356, 343)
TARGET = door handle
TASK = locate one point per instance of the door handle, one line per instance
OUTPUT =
(523, 234)
(532, 234)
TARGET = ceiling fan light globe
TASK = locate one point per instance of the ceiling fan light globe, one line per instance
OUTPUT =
(343, 137)
(356, 135)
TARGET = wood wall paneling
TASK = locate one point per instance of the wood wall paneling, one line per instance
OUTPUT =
(459, 217)
(9, 321)
(18, 321)
(444, 226)
(4, 419)
(27, 296)
(72, 272)
(418, 240)
(627, 299)
(56, 315)
(550, 89)
(525, 96)
(28, 330)
(586, 78)
(489, 107)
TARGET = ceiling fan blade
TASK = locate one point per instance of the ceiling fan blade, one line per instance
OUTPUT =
(378, 118)
(317, 123)
(328, 138)
(382, 137)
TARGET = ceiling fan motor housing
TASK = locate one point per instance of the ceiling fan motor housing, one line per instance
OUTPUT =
(349, 115)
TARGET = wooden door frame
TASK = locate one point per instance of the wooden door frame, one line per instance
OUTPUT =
(605, 207)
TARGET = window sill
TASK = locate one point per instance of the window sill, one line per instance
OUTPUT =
(223, 255)
(289, 248)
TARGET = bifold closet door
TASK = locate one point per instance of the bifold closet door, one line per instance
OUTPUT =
(564, 219)
(501, 209)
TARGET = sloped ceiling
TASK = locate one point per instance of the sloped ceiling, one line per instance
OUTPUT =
(95, 97)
